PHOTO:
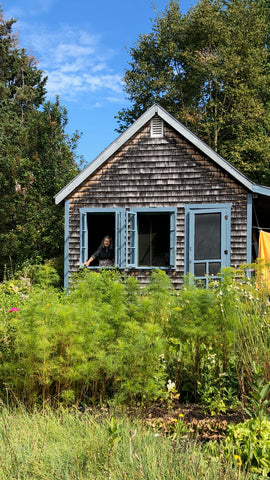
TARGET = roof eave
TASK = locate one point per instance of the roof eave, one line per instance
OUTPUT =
(261, 189)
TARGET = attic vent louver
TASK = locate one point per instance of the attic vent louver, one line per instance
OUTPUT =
(156, 127)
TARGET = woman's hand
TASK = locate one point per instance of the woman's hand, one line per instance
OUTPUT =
(86, 264)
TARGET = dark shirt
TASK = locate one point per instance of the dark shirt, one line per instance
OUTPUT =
(104, 254)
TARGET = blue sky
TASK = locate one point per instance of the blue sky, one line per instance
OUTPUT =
(82, 47)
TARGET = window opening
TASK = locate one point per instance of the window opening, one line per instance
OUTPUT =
(99, 225)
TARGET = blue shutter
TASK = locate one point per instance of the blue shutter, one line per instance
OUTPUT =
(172, 239)
(83, 238)
(131, 252)
(120, 222)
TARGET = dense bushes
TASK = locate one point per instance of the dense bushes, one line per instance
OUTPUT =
(109, 339)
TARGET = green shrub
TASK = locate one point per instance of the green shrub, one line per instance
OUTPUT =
(250, 442)
(110, 339)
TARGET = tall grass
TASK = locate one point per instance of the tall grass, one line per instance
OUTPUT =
(66, 445)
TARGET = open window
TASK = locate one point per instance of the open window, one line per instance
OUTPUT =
(207, 240)
(143, 237)
(95, 224)
(151, 237)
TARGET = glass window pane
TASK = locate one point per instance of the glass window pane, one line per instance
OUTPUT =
(207, 236)
(200, 269)
(132, 222)
(214, 268)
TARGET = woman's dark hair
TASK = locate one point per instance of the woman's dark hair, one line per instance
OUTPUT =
(110, 247)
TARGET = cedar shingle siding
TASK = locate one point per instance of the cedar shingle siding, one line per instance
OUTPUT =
(160, 172)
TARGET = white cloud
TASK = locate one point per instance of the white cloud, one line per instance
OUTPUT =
(68, 84)
(74, 67)
(71, 50)
(115, 100)
(111, 82)
(99, 67)
(78, 65)
(74, 61)
(31, 8)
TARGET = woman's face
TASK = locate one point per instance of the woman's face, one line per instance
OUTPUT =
(106, 242)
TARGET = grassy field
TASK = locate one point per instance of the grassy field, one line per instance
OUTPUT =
(72, 445)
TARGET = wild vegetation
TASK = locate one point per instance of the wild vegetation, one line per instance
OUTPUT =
(110, 342)
(37, 158)
(86, 446)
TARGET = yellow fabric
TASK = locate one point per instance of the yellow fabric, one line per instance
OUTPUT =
(264, 259)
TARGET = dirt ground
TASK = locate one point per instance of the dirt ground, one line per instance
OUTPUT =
(198, 422)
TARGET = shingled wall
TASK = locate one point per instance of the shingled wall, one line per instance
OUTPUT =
(160, 172)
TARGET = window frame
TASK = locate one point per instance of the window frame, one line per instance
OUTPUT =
(132, 236)
(119, 240)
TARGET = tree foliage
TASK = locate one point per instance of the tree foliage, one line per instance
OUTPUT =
(210, 69)
(36, 158)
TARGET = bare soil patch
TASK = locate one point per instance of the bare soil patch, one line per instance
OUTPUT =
(199, 424)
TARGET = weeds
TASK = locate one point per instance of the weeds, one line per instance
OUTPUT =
(110, 340)
(71, 445)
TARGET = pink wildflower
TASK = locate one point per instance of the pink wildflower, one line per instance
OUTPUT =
(14, 309)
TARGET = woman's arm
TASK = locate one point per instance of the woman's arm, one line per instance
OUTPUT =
(93, 256)
(86, 264)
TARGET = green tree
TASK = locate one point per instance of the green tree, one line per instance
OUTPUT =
(37, 158)
(210, 69)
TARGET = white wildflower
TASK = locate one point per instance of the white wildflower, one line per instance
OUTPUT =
(170, 385)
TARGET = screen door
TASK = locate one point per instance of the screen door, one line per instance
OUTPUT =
(209, 242)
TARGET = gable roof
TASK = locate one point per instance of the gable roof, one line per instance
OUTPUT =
(182, 130)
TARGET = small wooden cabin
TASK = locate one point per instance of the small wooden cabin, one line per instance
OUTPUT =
(168, 200)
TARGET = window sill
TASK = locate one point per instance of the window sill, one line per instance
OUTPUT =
(171, 267)
(97, 267)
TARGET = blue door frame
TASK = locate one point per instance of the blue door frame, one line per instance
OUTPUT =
(198, 263)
